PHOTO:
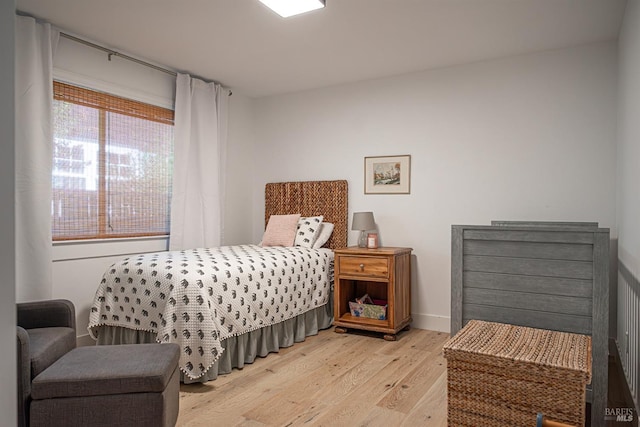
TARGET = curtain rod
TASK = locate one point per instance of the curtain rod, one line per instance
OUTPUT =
(111, 52)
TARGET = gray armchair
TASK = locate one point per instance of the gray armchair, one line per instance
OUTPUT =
(60, 385)
(46, 331)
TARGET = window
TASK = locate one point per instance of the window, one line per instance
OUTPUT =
(112, 165)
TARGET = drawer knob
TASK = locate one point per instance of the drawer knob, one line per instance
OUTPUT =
(361, 267)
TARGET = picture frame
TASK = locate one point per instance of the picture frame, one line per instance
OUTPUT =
(387, 174)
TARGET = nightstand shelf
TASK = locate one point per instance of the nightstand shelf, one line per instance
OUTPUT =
(384, 274)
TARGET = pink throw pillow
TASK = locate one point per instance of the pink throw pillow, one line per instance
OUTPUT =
(281, 230)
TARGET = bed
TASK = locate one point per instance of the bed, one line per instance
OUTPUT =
(226, 306)
(547, 275)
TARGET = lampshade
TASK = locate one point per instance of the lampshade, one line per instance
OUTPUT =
(363, 221)
(287, 8)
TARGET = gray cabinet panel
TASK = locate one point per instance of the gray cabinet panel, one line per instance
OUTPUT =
(529, 267)
(533, 319)
(534, 235)
(539, 250)
(546, 275)
(547, 224)
(542, 285)
(530, 301)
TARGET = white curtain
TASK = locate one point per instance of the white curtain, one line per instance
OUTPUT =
(199, 164)
(35, 47)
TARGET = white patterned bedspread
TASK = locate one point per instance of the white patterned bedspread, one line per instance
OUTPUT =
(199, 297)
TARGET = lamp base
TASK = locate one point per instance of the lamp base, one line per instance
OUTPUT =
(362, 240)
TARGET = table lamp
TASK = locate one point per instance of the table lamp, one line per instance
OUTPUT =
(363, 221)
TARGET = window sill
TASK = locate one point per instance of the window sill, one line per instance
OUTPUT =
(68, 250)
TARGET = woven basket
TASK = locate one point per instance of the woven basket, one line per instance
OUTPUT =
(503, 375)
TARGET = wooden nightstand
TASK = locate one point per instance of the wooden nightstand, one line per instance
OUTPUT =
(383, 273)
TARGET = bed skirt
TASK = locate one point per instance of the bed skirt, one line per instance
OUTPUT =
(240, 349)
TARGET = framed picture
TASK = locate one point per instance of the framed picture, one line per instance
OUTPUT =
(387, 175)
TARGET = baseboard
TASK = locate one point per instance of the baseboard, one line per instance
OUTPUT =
(85, 341)
(431, 322)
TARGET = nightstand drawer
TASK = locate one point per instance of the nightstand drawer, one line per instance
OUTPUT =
(364, 266)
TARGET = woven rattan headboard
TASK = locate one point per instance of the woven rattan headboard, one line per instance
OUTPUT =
(310, 198)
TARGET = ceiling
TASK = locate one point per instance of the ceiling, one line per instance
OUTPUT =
(250, 49)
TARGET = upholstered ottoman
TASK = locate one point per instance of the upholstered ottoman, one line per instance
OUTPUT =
(112, 385)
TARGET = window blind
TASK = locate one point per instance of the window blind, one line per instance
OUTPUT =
(112, 166)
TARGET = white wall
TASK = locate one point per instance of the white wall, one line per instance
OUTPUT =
(85, 66)
(522, 138)
(8, 396)
(629, 140)
(628, 195)
(240, 169)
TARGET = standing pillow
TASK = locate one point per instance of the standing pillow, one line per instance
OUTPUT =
(326, 228)
(308, 229)
(281, 230)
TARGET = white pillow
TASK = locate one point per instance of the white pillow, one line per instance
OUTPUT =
(281, 230)
(308, 229)
(326, 228)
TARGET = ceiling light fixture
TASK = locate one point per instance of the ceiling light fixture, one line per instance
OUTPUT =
(286, 8)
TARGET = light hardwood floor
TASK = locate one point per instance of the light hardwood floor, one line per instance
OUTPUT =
(330, 380)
